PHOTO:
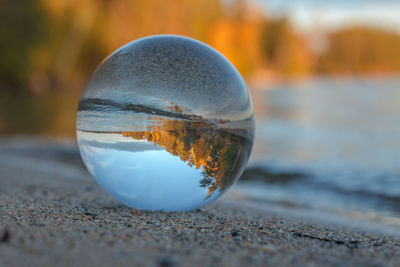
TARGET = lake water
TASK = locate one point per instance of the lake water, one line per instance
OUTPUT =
(328, 144)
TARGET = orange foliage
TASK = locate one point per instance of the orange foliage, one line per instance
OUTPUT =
(212, 150)
(361, 50)
(238, 40)
(64, 40)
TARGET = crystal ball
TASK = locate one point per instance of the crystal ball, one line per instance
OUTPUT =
(165, 123)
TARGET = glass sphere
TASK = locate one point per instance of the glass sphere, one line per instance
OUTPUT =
(165, 123)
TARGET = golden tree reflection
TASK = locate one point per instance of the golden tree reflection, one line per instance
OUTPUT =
(216, 152)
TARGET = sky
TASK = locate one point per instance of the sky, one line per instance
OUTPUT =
(309, 15)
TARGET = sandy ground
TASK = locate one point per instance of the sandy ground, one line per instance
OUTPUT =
(52, 213)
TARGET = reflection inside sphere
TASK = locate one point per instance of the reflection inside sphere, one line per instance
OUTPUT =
(165, 123)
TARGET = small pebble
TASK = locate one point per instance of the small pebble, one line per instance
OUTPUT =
(168, 261)
(91, 213)
(5, 238)
(235, 233)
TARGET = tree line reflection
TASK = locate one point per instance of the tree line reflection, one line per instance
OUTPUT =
(218, 153)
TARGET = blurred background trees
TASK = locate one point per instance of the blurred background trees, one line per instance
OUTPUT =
(361, 50)
(284, 50)
(23, 28)
(48, 49)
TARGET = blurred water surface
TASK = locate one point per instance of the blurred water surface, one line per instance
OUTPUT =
(328, 143)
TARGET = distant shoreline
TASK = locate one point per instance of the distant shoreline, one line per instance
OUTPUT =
(268, 81)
